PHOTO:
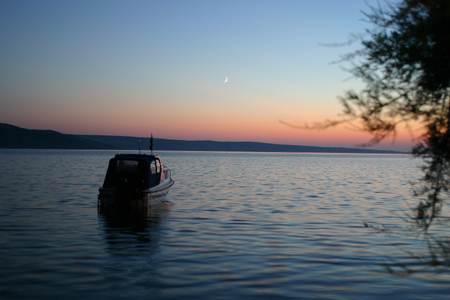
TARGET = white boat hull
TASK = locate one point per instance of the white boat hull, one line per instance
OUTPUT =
(109, 198)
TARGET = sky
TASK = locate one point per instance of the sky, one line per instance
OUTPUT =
(136, 68)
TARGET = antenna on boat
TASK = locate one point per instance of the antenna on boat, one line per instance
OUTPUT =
(139, 147)
(151, 144)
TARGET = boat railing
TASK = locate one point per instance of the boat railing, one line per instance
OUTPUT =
(167, 173)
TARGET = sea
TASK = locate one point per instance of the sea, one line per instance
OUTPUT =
(233, 226)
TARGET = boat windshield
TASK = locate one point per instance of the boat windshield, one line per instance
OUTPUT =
(133, 172)
(127, 166)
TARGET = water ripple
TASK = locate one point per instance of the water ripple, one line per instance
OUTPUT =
(235, 226)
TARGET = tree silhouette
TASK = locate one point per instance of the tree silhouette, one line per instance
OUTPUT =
(405, 65)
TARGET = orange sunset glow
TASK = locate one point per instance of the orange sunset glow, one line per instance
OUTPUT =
(182, 71)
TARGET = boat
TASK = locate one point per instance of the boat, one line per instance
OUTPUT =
(134, 180)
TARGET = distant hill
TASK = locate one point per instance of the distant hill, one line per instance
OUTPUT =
(132, 143)
(19, 138)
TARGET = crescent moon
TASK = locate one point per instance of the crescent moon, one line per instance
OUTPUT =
(226, 79)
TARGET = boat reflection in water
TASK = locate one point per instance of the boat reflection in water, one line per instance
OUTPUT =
(134, 181)
(132, 233)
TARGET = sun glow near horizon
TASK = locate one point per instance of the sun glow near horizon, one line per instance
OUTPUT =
(179, 70)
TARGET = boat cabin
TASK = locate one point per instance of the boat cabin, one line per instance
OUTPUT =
(133, 171)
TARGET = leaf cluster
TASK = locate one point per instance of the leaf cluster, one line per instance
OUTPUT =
(405, 65)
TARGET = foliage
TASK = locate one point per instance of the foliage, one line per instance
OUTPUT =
(405, 65)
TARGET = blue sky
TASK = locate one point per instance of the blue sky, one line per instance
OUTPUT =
(140, 67)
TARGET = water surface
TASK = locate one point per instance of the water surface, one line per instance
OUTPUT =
(234, 226)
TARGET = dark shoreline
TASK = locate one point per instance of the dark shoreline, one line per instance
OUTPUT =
(13, 137)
